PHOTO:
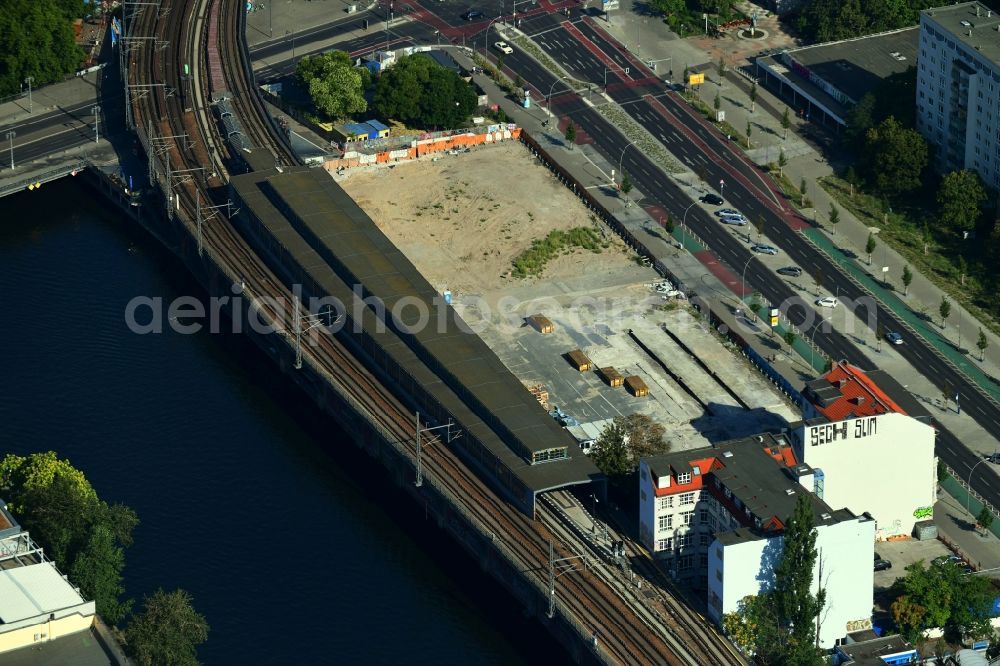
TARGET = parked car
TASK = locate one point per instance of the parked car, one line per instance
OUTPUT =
(948, 559)
(712, 199)
(826, 302)
(882, 565)
(894, 338)
(472, 15)
(994, 458)
(504, 47)
(764, 249)
(737, 220)
(790, 271)
(728, 211)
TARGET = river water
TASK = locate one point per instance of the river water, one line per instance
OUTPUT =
(295, 547)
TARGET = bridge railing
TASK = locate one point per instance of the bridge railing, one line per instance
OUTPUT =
(41, 178)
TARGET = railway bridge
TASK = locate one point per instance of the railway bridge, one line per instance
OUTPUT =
(433, 403)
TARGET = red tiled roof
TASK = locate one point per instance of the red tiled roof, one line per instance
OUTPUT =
(860, 396)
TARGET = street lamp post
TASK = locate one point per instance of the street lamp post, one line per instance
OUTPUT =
(593, 514)
(96, 110)
(29, 80)
(621, 159)
(968, 497)
(722, 187)
(743, 280)
(10, 137)
(548, 98)
(684, 219)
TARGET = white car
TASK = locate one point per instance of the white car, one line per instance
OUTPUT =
(728, 211)
(827, 302)
(504, 48)
(737, 219)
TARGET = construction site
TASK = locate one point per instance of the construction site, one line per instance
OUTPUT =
(588, 329)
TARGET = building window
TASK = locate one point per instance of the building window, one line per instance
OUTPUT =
(664, 544)
(683, 478)
(687, 498)
(687, 517)
(684, 562)
(665, 502)
(703, 560)
(664, 522)
(703, 540)
(703, 516)
(684, 540)
(718, 575)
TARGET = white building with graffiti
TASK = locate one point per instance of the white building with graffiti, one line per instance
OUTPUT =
(867, 453)
(715, 517)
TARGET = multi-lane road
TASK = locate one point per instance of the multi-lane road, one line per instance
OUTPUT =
(590, 55)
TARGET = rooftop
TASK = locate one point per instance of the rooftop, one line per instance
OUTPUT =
(339, 247)
(971, 23)
(758, 473)
(856, 66)
(34, 590)
(847, 392)
(870, 651)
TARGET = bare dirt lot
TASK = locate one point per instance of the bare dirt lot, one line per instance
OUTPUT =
(463, 218)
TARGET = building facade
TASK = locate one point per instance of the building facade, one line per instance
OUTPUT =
(866, 452)
(37, 603)
(716, 516)
(958, 88)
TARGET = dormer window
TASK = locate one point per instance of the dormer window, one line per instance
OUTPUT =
(697, 470)
(684, 477)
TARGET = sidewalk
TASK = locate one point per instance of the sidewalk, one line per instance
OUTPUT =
(49, 98)
(804, 162)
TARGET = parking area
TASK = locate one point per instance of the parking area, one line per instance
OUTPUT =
(904, 553)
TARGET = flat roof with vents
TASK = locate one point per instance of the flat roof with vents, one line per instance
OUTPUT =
(972, 23)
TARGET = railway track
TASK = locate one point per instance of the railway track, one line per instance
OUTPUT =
(197, 177)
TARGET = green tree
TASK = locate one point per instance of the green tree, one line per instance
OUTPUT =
(778, 626)
(982, 343)
(758, 225)
(84, 535)
(860, 119)
(790, 339)
(668, 7)
(167, 632)
(626, 184)
(645, 437)
(97, 570)
(870, 246)
(612, 455)
(782, 162)
(421, 93)
(797, 605)
(786, 122)
(37, 40)
(753, 97)
(720, 68)
(834, 216)
(894, 158)
(985, 519)
(944, 309)
(907, 279)
(717, 102)
(571, 134)
(960, 197)
(749, 132)
(627, 439)
(335, 85)
(942, 595)
(803, 188)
